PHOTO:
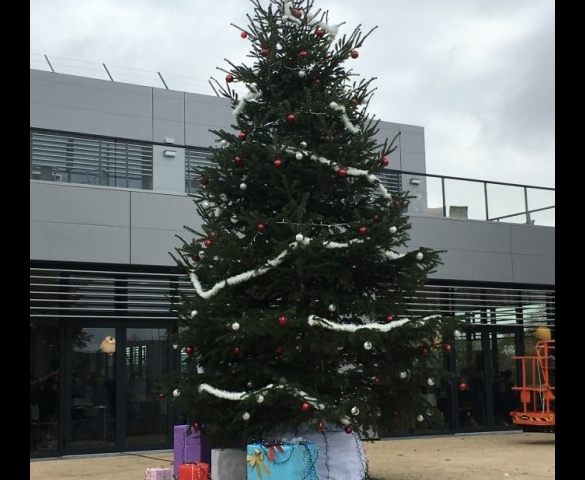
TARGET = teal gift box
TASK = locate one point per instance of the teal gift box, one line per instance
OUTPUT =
(281, 461)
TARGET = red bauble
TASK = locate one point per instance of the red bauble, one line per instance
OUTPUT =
(236, 350)
(229, 78)
(242, 135)
(260, 227)
(385, 161)
(462, 386)
(277, 162)
(196, 426)
(298, 13)
(264, 52)
(244, 34)
(424, 350)
(448, 348)
(397, 203)
(377, 381)
(195, 257)
(204, 181)
(319, 32)
(162, 396)
(348, 429)
(317, 82)
(354, 102)
(207, 242)
(305, 407)
(389, 318)
(321, 426)
(291, 118)
(214, 234)
(376, 218)
(354, 54)
(189, 350)
(363, 230)
(303, 54)
(282, 320)
(237, 160)
(342, 172)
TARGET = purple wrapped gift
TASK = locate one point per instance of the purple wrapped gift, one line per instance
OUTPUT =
(188, 447)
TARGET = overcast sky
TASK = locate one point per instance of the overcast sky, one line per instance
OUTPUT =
(477, 75)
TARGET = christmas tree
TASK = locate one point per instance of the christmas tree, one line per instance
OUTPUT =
(301, 269)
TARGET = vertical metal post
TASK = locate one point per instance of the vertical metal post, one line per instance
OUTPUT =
(106, 68)
(163, 80)
(50, 66)
(485, 196)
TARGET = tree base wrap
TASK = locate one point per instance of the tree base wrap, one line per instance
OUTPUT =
(188, 447)
(159, 473)
(282, 461)
(228, 464)
(194, 471)
(341, 455)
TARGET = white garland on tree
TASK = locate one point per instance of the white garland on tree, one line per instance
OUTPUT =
(270, 264)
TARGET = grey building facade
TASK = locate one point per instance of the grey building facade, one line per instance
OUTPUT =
(109, 193)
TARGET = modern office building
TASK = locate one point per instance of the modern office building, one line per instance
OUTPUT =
(110, 178)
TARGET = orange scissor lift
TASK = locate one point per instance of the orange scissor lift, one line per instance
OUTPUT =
(537, 391)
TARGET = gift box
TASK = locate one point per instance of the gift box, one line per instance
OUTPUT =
(228, 464)
(281, 461)
(341, 455)
(188, 447)
(194, 471)
(159, 473)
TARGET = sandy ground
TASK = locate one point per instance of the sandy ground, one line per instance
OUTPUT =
(478, 456)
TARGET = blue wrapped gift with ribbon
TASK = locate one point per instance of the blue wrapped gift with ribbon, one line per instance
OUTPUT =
(282, 461)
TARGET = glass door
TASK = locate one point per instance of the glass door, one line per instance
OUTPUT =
(485, 374)
(92, 402)
(146, 361)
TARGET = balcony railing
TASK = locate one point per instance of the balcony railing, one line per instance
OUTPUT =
(454, 197)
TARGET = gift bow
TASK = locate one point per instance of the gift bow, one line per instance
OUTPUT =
(271, 447)
(257, 461)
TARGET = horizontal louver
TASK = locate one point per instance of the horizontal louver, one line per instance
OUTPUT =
(195, 158)
(484, 304)
(109, 294)
(83, 159)
(102, 294)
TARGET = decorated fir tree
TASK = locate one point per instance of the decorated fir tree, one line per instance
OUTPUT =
(301, 269)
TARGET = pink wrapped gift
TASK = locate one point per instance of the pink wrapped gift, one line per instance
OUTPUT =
(159, 473)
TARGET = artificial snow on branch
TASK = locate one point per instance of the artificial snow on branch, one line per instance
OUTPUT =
(315, 321)
(355, 172)
(238, 396)
(270, 264)
(340, 108)
(252, 94)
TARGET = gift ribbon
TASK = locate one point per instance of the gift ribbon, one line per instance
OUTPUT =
(257, 461)
(271, 453)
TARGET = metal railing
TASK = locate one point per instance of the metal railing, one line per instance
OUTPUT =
(465, 198)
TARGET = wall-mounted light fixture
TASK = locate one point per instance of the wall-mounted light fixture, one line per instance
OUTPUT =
(169, 140)
(169, 153)
(415, 181)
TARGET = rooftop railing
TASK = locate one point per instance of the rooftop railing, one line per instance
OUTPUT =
(465, 198)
